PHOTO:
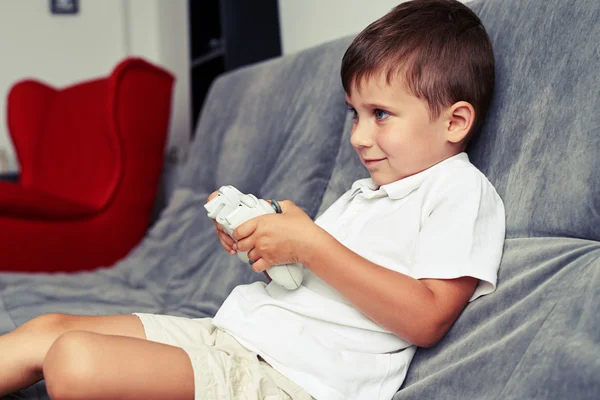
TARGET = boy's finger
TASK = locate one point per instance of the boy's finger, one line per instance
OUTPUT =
(212, 195)
(246, 229)
(226, 238)
(284, 205)
(227, 247)
(219, 227)
(246, 244)
(259, 265)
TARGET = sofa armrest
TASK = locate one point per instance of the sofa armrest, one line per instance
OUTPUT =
(24, 203)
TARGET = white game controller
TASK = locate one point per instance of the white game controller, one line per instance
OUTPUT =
(231, 208)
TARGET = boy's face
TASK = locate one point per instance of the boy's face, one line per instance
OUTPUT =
(392, 133)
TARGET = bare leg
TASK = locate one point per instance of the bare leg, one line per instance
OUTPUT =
(24, 349)
(90, 366)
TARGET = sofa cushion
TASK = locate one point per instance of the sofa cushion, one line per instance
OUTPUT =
(536, 337)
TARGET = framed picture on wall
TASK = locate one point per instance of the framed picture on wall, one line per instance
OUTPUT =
(64, 6)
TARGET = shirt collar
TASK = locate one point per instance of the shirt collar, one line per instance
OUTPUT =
(401, 188)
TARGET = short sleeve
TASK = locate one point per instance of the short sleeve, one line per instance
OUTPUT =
(462, 231)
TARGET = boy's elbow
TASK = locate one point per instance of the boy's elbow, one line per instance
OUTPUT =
(429, 340)
(430, 335)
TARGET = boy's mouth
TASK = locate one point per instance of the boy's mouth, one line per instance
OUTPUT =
(372, 161)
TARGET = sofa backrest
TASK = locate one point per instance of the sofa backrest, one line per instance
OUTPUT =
(272, 129)
(541, 143)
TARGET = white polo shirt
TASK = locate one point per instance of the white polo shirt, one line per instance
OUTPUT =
(445, 222)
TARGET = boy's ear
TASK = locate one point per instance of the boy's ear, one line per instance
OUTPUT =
(460, 119)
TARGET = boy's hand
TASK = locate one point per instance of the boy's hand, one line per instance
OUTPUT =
(226, 241)
(275, 239)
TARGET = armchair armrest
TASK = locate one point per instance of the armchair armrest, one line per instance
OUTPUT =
(27, 106)
(24, 203)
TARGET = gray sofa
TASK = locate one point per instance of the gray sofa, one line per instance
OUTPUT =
(280, 130)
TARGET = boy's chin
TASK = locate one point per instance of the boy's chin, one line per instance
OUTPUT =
(381, 180)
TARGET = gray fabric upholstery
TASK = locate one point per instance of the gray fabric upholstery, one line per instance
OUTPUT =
(280, 130)
(540, 143)
(536, 337)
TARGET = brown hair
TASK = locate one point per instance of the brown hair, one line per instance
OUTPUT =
(440, 45)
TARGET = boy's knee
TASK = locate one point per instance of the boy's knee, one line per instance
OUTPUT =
(69, 366)
(46, 323)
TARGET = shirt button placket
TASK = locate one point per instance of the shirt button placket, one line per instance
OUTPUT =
(348, 216)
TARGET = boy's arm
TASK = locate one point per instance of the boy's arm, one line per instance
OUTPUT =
(419, 311)
(462, 240)
(463, 237)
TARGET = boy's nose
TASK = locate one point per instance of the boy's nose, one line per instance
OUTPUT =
(361, 136)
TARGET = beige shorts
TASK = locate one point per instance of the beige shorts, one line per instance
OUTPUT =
(223, 368)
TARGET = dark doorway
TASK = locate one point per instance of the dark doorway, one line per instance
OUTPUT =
(228, 34)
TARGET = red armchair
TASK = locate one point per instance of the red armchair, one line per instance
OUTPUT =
(91, 157)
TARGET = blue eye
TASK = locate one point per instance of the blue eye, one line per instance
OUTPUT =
(352, 111)
(380, 114)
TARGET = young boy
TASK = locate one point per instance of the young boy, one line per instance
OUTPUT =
(389, 266)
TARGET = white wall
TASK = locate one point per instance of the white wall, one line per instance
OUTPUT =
(65, 49)
(159, 31)
(307, 23)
